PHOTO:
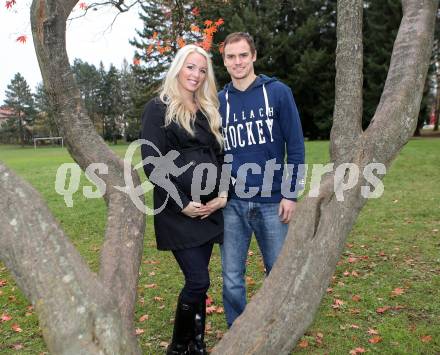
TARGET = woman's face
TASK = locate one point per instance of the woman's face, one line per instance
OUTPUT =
(193, 73)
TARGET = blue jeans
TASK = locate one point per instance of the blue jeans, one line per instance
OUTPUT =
(241, 219)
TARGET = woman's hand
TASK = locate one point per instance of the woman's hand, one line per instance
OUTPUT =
(193, 209)
(212, 206)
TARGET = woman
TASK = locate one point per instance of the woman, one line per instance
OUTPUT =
(185, 119)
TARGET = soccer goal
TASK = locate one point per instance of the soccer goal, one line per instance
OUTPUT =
(48, 139)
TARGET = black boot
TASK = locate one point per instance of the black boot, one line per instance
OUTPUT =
(199, 346)
(183, 329)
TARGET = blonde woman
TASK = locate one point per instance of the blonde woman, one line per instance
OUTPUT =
(185, 119)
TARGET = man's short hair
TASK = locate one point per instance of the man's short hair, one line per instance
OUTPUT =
(238, 36)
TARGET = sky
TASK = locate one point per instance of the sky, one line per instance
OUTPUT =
(90, 38)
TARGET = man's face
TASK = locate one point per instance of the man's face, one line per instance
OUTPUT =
(239, 60)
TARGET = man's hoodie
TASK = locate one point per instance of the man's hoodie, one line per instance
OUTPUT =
(261, 127)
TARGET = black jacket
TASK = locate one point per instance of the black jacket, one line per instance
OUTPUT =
(173, 229)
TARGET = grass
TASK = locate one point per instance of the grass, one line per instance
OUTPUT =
(387, 281)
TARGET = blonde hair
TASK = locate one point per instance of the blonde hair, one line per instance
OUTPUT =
(205, 96)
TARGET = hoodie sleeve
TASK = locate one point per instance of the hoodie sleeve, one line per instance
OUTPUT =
(293, 136)
(153, 131)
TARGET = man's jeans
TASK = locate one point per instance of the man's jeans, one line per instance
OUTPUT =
(241, 218)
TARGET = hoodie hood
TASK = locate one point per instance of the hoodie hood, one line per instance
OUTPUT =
(258, 82)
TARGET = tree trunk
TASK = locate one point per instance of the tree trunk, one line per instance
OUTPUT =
(279, 314)
(122, 249)
(78, 314)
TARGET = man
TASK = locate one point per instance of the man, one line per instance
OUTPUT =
(261, 126)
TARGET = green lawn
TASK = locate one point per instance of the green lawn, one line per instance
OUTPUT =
(387, 282)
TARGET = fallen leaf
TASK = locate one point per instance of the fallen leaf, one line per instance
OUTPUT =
(151, 286)
(426, 338)
(139, 331)
(397, 292)
(220, 310)
(158, 299)
(354, 326)
(208, 301)
(9, 4)
(82, 5)
(152, 273)
(354, 310)
(372, 331)
(16, 328)
(22, 39)
(374, 340)
(250, 253)
(303, 344)
(5, 317)
(356, 298)
(163, 344)
(337, 303)
(352, 259)
(151, 262)
(357, 351)
(3, 283)
(354, 273)
(319, 337)
(143, 318)
(329, 290)
(211, 309)
(250, 281)
(381, 310)
(17, 346)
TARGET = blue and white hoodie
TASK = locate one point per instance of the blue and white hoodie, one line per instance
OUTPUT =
(261, 125)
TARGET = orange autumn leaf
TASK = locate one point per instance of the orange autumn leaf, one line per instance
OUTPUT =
(220, 310)
(181, 42)
(372, 331)
(150, 49)
(158, 299)
(16, 328)
(155, 34)
(426, 338)
(195, 28)
(167, 49)
(208, 23)
(381, 310)
(5, 317)
(219, 22)
(356, 298)
(374, 340)
(139, 331)
(22, 39)
(303, 344)
(357, 351)
(3, 283)
(208, 301)
(143, 318)
(211, 309)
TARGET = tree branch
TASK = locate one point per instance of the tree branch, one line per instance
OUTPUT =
(347, 117)
(122, 249)
(54, 277)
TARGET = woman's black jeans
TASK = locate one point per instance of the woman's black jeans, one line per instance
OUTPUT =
(194, 264)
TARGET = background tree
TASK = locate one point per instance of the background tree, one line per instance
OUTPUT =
(88, 79)
(96, 320)
(44, 124)
(111, 100)
(19, 98)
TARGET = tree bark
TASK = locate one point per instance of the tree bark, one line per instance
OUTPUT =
(77, 312)
(285, 306)
(122, 250)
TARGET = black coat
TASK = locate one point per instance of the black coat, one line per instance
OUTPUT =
(174, 230)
